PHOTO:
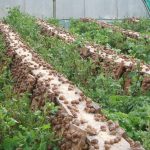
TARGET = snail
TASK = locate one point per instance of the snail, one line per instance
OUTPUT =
(45, 83)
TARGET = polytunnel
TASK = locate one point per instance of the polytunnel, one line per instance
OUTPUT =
(98, 9)
(75, 75)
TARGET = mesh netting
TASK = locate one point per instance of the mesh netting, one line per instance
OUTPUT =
(148, 3)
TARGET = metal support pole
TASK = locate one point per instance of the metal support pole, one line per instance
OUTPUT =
(24, 7)
(84, 8)
(117, 9)
(54, 8)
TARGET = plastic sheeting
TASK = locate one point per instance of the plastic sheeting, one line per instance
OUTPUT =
(65, 9)
(37, 8)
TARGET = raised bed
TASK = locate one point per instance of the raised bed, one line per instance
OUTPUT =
(128, 33)
(107, 58)
(78, 120)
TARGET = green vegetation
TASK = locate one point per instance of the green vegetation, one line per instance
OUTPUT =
(53, 21)
(132, 111)
(93, 32)
(20, 127)
(142, 26)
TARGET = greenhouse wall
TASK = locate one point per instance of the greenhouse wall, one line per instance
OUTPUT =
(65, 9)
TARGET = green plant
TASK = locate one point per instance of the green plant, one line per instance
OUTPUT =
(20, 127)
(117, 41)
(53, 21)
(127, 109)
(142, 26)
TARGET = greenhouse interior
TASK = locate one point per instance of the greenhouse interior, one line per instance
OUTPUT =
(75, 75)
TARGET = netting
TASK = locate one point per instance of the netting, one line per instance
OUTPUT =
(148, 3)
